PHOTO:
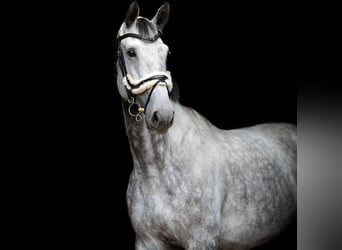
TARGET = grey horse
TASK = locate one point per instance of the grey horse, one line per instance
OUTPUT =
(193, 185)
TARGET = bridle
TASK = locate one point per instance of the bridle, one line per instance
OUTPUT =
(140, 86)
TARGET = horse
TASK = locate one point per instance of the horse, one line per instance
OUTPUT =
(194, 185)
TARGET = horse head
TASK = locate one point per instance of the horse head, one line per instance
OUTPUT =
(143, 80)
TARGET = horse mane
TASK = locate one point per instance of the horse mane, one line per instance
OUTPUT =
(174, 95)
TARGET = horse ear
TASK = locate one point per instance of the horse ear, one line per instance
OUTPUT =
(162, 16)
(132, 13)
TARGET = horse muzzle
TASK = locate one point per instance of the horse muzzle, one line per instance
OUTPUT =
(161, 120)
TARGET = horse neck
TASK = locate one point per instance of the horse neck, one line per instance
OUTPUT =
(150, 149)
(146, 147)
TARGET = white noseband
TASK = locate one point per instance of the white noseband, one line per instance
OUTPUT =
(147, 82)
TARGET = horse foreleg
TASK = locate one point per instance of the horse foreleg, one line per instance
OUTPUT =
(146, 244)
(151, 244)
(197, 245)
(212, 245)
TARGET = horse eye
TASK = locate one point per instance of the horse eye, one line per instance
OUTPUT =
(131, 53)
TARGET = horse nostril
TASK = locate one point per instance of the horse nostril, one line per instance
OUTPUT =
(155, 117)
(162, 119)
(172, 117)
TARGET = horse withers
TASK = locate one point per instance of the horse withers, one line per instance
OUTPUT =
(193, 185)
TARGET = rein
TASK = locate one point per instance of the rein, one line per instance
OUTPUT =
(140, 86)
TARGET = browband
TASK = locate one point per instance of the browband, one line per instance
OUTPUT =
(147, 39)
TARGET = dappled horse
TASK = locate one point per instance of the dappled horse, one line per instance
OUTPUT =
(194, 186)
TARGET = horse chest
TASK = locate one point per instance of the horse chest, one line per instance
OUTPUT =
(168, 204)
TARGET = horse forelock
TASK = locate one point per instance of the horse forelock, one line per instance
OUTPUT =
(146, 28)
(142, 26)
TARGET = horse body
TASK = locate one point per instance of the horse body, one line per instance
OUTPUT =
(193, 185)
(200, 187)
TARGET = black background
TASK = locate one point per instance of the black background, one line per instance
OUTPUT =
(238, 65)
